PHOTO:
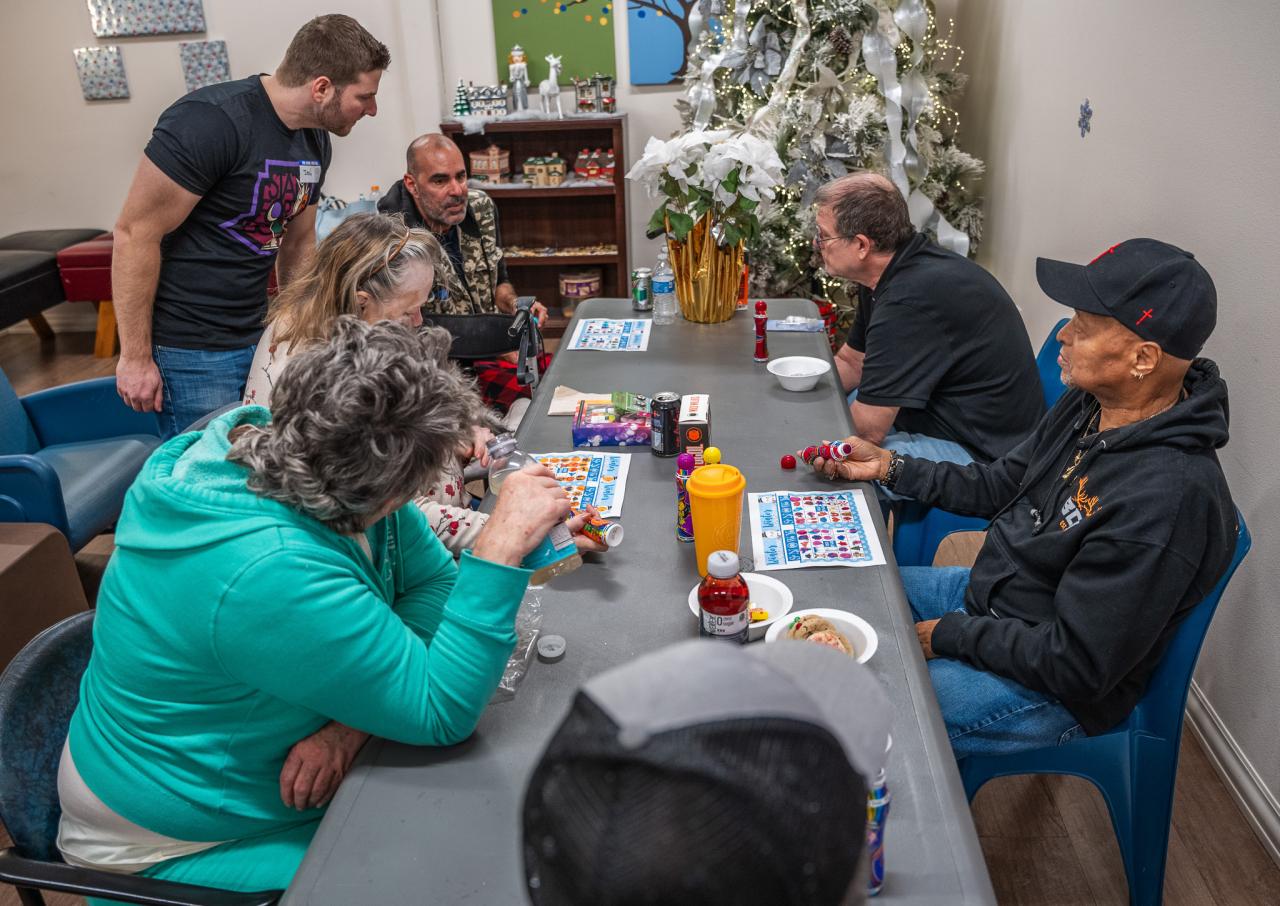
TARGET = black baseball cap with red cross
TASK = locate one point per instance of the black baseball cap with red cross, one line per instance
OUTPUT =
(1157, 290)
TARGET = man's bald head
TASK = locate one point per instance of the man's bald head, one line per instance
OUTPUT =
(868, 204)
(423, 145)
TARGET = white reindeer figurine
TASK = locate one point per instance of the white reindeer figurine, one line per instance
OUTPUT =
(550, 87)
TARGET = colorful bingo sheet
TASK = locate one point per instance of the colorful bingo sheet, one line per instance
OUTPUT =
(595, 479)
(795, 529)
(611, 335)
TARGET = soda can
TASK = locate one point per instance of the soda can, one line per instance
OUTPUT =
(684, 510)
(663, 424)
(878, 799)
(642, 289)
(602, 531)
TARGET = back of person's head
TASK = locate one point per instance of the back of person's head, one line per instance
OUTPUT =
(360, 421)
(368, 253)
(868, 204)
(706, 775)
(335, 46)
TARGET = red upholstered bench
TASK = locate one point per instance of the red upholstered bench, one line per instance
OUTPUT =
(86, 277)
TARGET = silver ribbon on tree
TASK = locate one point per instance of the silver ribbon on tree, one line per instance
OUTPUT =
(702, 93)
(908, 97)
(765, 120)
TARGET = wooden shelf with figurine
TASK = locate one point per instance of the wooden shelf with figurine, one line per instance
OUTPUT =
(584, 153)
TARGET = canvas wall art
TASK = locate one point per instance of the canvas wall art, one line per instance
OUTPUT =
(204, 63)
(129, 18)
(101, 72)
(658, 39)
(580, 31)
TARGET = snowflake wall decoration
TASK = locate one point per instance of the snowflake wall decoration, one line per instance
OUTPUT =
(1086, 114)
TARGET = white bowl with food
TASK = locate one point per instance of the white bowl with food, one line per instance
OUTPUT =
(798, 372)
(770, 601)
(837, 629)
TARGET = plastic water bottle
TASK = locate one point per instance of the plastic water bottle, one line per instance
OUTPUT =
(557, 554)
(664, 291)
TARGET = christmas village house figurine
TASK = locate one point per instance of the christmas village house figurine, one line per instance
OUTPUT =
(544, 171)
(596, 94)
(493, 164)
(595, 164)
(487, 100)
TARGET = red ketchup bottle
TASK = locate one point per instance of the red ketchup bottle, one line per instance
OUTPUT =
(724, 601)
(762, 347)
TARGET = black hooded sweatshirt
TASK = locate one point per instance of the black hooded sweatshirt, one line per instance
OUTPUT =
(1082, 581)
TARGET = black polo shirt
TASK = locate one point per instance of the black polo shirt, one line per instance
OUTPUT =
(945, 344)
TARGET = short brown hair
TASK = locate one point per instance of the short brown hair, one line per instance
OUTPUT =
(868, 204)
(335, 46)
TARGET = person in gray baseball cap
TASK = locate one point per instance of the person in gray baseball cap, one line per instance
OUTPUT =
(707, 774)
(1108, 524)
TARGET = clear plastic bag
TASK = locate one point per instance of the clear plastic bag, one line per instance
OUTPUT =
(528, 628)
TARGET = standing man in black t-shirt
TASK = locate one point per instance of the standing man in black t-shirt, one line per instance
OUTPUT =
(938, 354)
(227, 183)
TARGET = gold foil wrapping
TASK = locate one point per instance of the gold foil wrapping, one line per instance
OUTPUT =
(707, 276)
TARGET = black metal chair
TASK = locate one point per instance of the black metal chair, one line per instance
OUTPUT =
(38, 692)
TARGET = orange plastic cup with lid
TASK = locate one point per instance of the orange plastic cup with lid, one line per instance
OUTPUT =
(715, 499)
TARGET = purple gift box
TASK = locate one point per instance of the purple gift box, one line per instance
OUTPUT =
(600, 424)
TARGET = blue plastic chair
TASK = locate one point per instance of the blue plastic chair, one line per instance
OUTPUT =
(1135, 764)
(68, 454)
(39, 691)
(919, 529)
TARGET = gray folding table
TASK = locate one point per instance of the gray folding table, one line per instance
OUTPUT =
(442, 826)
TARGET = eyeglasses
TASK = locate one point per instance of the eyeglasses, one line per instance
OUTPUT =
(386, 262)
(819, 240)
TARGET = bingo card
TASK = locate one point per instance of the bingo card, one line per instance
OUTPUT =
(595, 479)
(794, 529)
(610, 335)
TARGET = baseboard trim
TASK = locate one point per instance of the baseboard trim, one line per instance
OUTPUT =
(1251, 794)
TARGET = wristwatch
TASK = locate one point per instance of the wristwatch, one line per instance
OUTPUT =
(894, 472)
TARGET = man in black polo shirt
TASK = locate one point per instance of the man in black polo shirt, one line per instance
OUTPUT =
(938, 354)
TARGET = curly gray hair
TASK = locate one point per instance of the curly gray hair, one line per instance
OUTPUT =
(359, 421)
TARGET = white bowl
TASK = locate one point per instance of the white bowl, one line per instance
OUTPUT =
(857, 630)
(798, 372)
(766, 592)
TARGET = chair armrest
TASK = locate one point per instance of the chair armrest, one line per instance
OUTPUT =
(86, 410)
(86, 882)
(31, 492)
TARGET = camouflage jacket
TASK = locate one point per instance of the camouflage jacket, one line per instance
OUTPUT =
(472, 284)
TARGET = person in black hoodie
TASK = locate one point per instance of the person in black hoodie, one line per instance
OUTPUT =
(1108, 524)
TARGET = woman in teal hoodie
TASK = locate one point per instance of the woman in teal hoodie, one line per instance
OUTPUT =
(272, 593)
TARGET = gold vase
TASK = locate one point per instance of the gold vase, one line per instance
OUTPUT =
(708, 277)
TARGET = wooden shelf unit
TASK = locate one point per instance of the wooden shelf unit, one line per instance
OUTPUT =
(555, 216)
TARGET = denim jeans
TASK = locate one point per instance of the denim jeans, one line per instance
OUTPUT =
(985, 714)
(198, 381)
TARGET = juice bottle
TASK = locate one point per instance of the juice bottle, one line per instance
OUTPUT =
(724, 600)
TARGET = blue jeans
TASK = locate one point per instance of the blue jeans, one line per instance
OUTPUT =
(985, 714)
(921, 446)
(198, 381)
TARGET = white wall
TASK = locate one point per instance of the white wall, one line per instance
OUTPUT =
(68, 162)
(1186, 123)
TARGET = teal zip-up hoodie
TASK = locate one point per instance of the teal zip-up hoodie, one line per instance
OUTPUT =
(230, 626)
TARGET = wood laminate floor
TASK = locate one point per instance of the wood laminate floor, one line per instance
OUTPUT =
(1047, 840)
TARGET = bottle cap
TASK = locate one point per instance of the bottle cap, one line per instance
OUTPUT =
(685, 462)
(722, 564)
(711, 456)
(613, 534)
(716, 482)
(762, 308)
(551, 648)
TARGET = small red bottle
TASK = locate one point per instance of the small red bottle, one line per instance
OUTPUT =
(724, 601)
(762, 347)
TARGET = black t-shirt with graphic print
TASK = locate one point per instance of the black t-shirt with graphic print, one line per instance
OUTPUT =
(944, 343)
(226, 144)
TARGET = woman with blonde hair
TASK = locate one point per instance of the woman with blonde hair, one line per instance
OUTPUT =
(375, 267)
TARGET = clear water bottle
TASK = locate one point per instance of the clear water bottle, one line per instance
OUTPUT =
(557, 554)
(664, 291)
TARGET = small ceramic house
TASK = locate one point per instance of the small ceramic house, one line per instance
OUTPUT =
(544, 171)
(493, 164)
(487, 100)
